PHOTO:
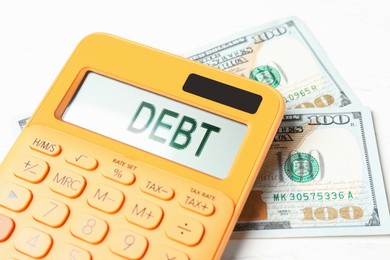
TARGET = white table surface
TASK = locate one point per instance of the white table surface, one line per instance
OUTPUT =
(36, 38)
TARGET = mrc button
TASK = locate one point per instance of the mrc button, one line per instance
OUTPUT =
(68, 184)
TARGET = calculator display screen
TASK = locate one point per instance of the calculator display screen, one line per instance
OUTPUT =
(162, 126)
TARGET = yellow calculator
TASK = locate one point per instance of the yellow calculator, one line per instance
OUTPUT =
(134, 153)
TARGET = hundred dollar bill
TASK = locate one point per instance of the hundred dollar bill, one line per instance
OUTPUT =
(285, 55)
(321, 177)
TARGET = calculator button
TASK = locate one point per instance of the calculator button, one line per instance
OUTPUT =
(81, 160)
(122, 176)
(50, 212)
(71, 252)
(105, 199)
(144, 214)
(7, 226)
(14, 197)
(128, 244)
(31, 169)
(197, 204)
(167, 253)
(89, 228)
(45, 146)
(68, 184)
(33, 242)
(156, 189)
(185, 230)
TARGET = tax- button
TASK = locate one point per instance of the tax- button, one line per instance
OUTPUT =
(67, 183)
(197, 204)
(156, 189)
(81, 160)
(105, 198)
(185, 230)
(14, 197)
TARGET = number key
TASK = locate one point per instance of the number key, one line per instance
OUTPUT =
(71, 252)
(33, 242)
(128, 244)
(50, 212)
(89, 228)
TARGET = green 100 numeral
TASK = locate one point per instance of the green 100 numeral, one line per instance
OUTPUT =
(330, 213)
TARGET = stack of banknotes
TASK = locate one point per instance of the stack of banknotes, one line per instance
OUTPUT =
(322, 175)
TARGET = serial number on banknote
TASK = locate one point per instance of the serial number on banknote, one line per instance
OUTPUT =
(314, 196)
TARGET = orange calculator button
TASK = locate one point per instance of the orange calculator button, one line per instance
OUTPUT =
(167, 253)
(7, 225)
(81, 160)
(14, 197)
(105, 198)
(143, 213)
(156, 189)
(197, 204)
(50, 212)
(31, 169)
(120, 175)
(185, 230)
(45, 146)
(33, 242)
(89, 228)
(128, 244)
(71, 252)
(67, 183)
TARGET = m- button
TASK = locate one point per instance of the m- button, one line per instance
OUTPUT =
(105, 199)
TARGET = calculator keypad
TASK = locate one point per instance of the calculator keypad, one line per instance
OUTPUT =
(62, 201)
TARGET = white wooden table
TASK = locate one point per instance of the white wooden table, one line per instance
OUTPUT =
(36, 38)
